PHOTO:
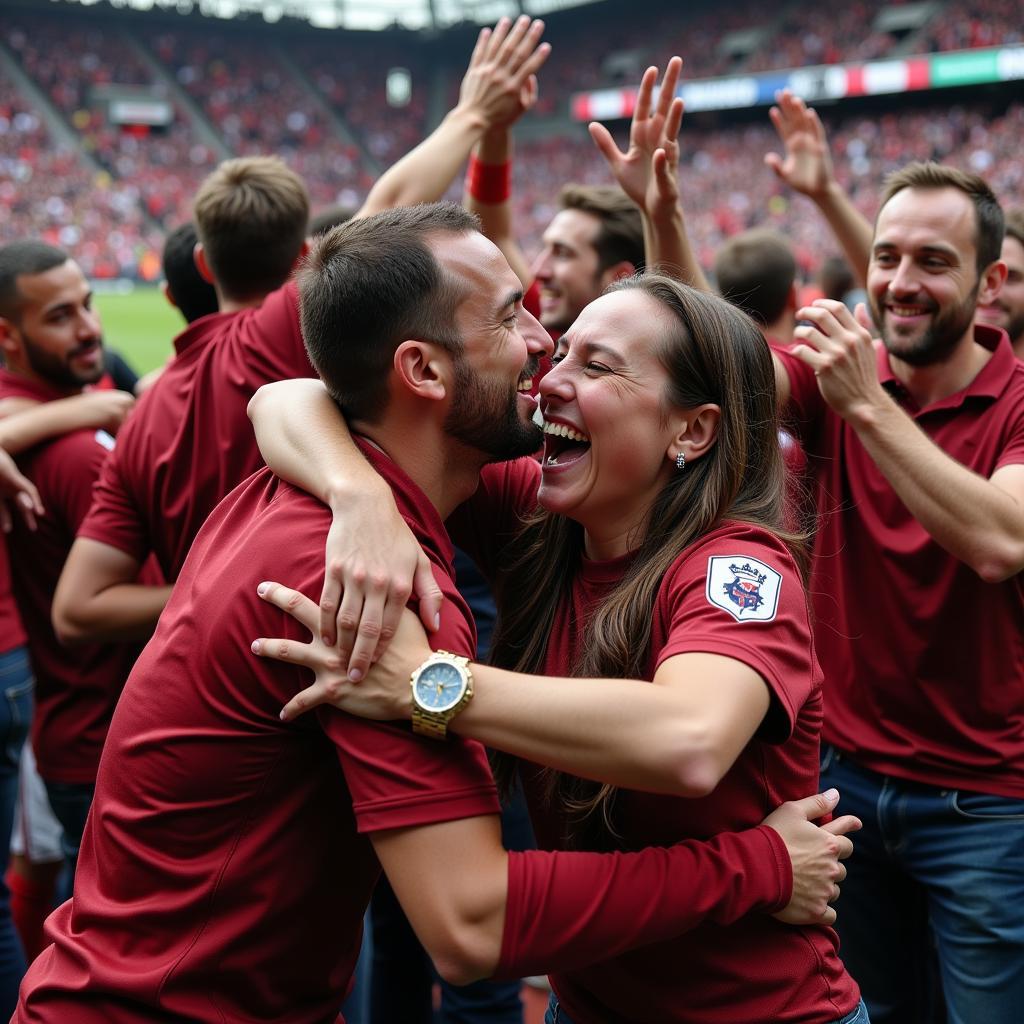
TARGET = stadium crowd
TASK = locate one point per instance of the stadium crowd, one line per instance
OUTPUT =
(716, 707)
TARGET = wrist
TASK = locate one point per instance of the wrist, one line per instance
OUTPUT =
(467, 117)
(489, 183)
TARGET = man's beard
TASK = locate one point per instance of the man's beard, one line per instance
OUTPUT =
(939, 339)
(57, 371)
(485, 415)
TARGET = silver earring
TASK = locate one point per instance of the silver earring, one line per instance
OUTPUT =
(680, 462)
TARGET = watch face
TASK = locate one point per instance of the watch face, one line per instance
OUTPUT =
(439, 687)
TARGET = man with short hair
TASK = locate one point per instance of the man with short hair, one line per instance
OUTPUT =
(227, 867)
(596, 238)
(1006, 310)
(184, 287)
(52, 346)
(918, 454)
(756, 270)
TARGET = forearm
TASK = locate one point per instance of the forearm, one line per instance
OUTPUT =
(23, 430)
(493, 151)
(315, 450)
(668, 248)
(849, 225)
(625, 732)
(569, 910)
(123, 612)
(424, 174)
(969, 516)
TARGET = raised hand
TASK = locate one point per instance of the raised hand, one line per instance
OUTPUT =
(807, 164)
(647, 171)
(500, 83)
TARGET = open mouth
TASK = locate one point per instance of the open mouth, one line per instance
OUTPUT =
(563, 445)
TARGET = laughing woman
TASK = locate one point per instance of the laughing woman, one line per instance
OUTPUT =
(658, 679)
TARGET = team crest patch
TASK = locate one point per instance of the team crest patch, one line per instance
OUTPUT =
(744, 587)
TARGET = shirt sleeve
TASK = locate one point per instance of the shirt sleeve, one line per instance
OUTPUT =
(398, 779)
(113, 516)
(806, 406)
(743, 598)
(490, 520)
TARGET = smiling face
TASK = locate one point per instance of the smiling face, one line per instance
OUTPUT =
(923, 283)
(610, 434)
(55, 335)
(568, 269)
(491, 409)
(1006, 310)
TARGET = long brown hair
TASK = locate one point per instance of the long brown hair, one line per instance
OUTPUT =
(714, 354)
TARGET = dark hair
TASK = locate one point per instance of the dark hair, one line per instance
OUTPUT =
(192, 293)
(332, 217)
(369, 285)
(27, 257)
(989, 224)
(251, 215)
(755, 271)
(714, 354)
(836, 278)
(621, 237)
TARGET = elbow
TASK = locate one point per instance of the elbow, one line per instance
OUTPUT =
(999, 565)
(69, 629)
(258, 399)
(460, 961)
(698, 769)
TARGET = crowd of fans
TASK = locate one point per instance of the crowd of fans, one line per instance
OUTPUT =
(256, 102)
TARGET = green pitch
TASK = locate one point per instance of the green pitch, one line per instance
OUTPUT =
(141, 325)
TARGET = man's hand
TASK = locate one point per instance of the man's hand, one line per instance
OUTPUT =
(647, 171)
(105, 409)
(383, 695)
(807, 165)
(372, 569)
(18, 491)
(842, 355)
(500, 82)
(815, 853)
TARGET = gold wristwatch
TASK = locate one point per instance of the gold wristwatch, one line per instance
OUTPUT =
(441, 687)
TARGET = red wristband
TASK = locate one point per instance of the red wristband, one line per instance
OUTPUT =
(490, 183)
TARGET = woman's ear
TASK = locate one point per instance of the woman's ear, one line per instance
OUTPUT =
(697, 433)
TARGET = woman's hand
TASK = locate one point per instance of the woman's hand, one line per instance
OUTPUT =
(647, 171)
(385, 693)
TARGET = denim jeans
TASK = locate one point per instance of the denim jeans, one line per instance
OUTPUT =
(70, 802)
(932, 870)
(556, 1014)
(16, 685)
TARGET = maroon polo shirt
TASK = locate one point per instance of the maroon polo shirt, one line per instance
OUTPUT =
(76, 688)
(923, 660)
(189, 441)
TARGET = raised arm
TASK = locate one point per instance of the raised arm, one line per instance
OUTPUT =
(648, 173)
(503, 62)
(807, 168)
(377, 564)
(979, 521)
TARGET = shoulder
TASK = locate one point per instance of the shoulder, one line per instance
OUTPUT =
(742, 569)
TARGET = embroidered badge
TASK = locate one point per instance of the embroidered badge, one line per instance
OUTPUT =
(744, 587)
(105, 439)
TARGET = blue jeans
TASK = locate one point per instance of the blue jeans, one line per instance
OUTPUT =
(556, 1014)
(933, 870)
(16, 685)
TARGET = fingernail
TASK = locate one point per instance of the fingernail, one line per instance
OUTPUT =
(255, 647)
(437, 620)
(831, 795)
(354, 675)
(326, 639)
(262, 589)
